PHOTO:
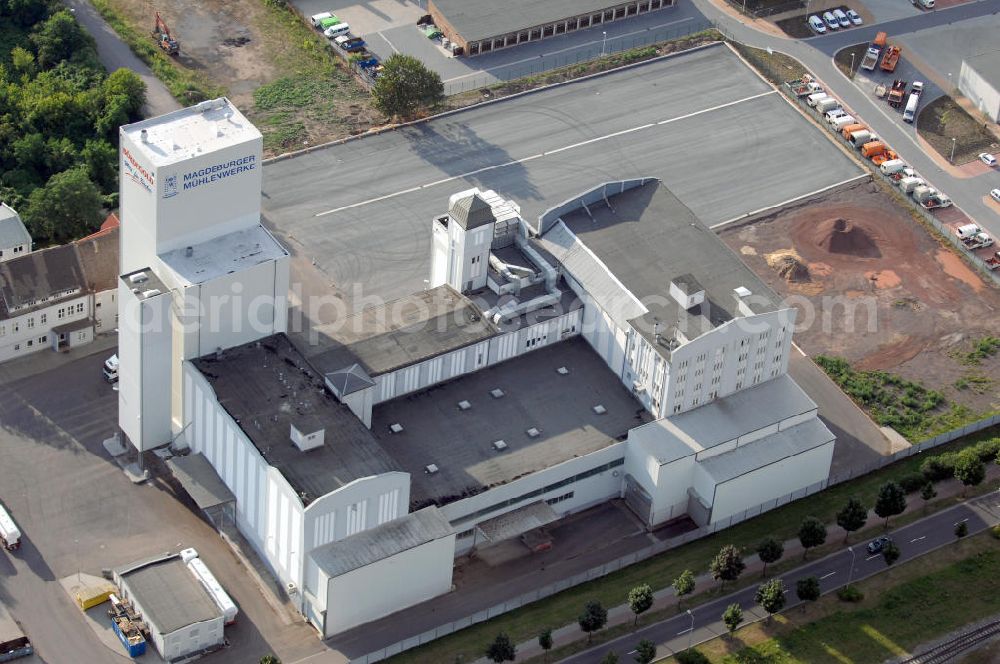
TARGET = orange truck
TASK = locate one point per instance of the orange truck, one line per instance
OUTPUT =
(872, 149)
(890, 58)
(850, 129)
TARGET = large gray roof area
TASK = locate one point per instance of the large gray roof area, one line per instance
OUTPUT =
(783, 444)
(460, 442)
(646, 237)
(268, 388)
(39, 274)
(478, 19)
(384, 541)
(170, 596)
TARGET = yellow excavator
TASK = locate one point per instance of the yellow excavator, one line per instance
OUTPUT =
(161, 33)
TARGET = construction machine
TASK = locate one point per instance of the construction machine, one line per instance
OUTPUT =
(161, 33)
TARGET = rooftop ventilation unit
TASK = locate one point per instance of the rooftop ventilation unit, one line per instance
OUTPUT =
(499, 445)
(151, 292)
(742, 292)
(497, 393)
(600, 409)
(562, 371)
(431, 468)
(533, 432)
(464, 405)
(396, 427)
(139, 277)
(306, 441)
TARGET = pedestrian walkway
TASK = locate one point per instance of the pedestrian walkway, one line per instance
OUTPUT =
(42, 361)
(665, 598)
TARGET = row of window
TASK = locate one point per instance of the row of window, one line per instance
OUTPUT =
(43, 318)
(15, 250)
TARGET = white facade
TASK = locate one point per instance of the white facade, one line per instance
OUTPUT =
(14, 237)
(460, 255)
(30, 332)
(974, 81)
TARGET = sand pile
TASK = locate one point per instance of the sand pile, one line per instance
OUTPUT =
(789, 266)
(840, 236)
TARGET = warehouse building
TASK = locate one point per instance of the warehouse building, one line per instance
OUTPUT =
(979, 80)
(181, 616)
(480, 26)
(614, 348)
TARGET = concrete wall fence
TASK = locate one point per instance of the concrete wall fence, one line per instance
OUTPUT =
(666, 545)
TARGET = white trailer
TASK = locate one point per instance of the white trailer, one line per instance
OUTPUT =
(219, 596)
(10, 536)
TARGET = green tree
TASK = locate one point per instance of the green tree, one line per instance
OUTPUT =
(640, 600)
(502, 649)
(691, 657)
(812, 533)
(610, 657)
(852, 517)
(270, 659)
(545, 641)
(593, 618)
(23, 61)
(732, 616)
(807, 589)
(683, 585)
(101, 160)
(406, 86)
(928, 493)
(25, 12)
(69, 205)
(770, 551)
(770, 596)
(126, 83)
(969, 469)
(890, 502)
(727, 565)
(645, 652)
(961, 529)
(58, 38)
(890, 553)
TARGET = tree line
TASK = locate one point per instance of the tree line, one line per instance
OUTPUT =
(59, 117)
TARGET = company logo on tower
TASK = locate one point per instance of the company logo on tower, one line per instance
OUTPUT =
(211, 174)
(135, 172)
(170, 186)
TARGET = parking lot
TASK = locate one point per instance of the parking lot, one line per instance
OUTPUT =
(389, 26)
(728, 146)
(78, 512)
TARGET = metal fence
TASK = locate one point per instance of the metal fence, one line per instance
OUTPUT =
(665, 545)
(584, 53)
(751, 8)
(942, 229)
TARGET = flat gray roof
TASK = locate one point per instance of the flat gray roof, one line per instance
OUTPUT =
(402, 332)
(479, 19)
(460, 442)
(646, 238)
(267, 386)
(375, 544)
(770, 449)
(987, 65)
(199, 479)
(170, 596)
(224, 254)
(724, 419)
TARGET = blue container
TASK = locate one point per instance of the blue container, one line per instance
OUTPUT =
(134, 647)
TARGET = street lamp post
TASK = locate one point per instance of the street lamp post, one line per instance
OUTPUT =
(850, 573)
(690, 631)
(852, 65)
(604, 42)
(953, 140)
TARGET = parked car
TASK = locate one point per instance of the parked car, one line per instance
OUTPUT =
(830, 20)
(877, 544)
(816, 23)
(841, 18)
(337, 30)
(995, 195)
(350, 43)
(988, 159)
(316, 18)
(854, 17)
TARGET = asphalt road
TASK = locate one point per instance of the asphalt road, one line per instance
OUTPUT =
(726, 146)
(114, 54)
(833, 571)
(817, 53)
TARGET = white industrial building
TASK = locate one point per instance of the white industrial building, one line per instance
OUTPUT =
(60, 297)
(979, 81)
(614, 349)
(183, 619)
(14, 237)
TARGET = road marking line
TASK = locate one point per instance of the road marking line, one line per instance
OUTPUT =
(877, 555)
(826, 576)
(962, 521)
(684, 631)
(536, 58)
(547, 153)
(917, 539)
(391, 45)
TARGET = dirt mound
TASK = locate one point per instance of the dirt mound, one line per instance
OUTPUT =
(840, 236)
(789, 266)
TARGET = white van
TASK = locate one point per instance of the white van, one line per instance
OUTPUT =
(337, 30)
(839, 123)
(834, 113)
(968, 230)
(111, 369)
(892, 166)
(817, 97)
